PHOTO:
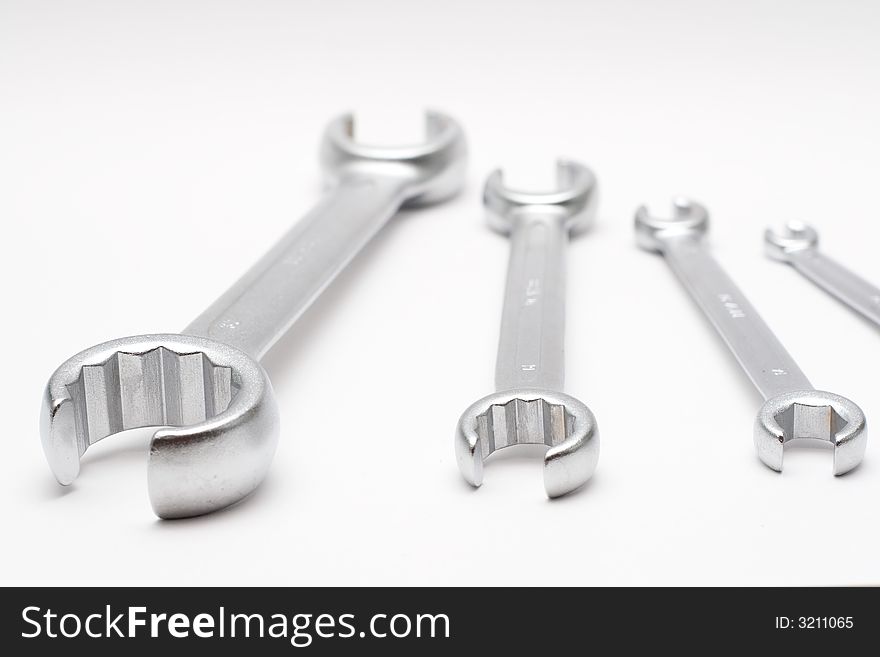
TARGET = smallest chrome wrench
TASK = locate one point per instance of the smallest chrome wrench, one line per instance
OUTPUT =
(797, 244)
(792, 409)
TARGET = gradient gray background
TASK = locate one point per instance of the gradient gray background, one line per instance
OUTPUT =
(150, 151)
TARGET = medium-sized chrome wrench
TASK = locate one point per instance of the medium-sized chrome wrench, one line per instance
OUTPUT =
(529, 406)
(204, 391)
(797, 244)
(793, 409)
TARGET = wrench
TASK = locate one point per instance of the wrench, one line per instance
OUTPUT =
(210, 400)
(792, 409)
(798, 245)
(529, 406)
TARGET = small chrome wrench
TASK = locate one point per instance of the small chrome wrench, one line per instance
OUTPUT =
(529, 406)
(210, 400)
(793, 409)
(797, 244)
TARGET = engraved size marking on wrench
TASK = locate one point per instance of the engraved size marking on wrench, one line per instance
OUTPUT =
(533, 291)
(733, 308)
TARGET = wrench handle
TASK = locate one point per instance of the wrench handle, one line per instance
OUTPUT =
(262, 305)
(838, 281)
(759, 352)
(532, 344)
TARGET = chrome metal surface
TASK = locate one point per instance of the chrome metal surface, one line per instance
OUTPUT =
(797, 244)
(530, 407)
(210, 400)
(793, 409)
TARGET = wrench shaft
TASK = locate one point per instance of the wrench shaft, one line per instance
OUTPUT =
(759, 352)
(259, 308)
(531, 347)
(840, 282)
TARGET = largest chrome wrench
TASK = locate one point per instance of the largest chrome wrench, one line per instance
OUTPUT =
(793, 409)
(212, 403)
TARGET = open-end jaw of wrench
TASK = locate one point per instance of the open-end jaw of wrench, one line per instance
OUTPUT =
(204, 391)
(529, 406)
(797, 244)
(793, 409)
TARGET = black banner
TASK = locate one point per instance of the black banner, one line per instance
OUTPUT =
(435, 621)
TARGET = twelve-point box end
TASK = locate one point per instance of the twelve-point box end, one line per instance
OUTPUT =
(212, 406)
(561, 422)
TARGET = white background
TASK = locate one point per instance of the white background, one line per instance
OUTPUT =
(150, 151)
